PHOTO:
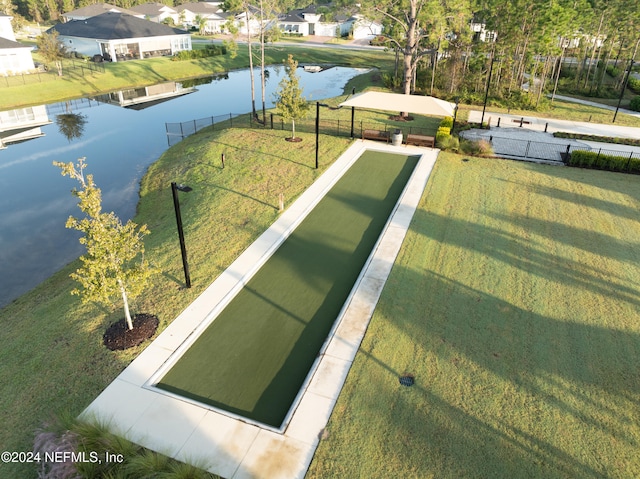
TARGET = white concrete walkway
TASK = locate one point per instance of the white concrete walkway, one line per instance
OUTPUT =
(234, 448)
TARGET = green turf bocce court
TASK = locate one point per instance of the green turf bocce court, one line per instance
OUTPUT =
(254, 357)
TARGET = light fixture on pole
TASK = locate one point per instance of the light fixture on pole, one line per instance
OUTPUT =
(176, 204)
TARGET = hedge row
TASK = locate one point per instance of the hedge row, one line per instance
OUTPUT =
(593, 159)
(208, 51)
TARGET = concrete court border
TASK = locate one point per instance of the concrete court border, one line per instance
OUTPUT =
(235, 448)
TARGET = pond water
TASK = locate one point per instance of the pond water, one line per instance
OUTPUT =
(119, 144)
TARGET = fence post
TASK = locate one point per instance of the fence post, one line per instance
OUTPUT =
(231, 120)
(546, 125)
(629, 162)
(181, 131)
(498, 125)
(526, 153)
(271, 118)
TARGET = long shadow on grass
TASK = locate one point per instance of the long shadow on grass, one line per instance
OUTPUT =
(615, 209)
(512, 394)
(433, 437)
(584, 239)
(522, 253)
(262, 153)
(609, 180)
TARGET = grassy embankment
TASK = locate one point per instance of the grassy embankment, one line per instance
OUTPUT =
(131, 74)
(514, 302)
(52, 357)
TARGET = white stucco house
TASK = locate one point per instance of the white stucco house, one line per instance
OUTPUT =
(120, 37)
(307, 21)
(362, 27)
(15, 58)
(302, 21)
(211, 12)
(156, 12)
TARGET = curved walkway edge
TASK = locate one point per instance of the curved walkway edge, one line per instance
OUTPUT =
(231, 447)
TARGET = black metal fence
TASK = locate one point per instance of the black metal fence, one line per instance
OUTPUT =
(548, 151)
(176, 132)
(70, 67)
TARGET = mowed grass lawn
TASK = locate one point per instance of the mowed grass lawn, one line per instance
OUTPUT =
(514, 301)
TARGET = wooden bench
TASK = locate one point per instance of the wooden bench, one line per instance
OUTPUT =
(420, 140)
(375, 135)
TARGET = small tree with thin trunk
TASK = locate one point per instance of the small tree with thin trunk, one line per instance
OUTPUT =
(51, 49)
(289, 100)
(114, 263)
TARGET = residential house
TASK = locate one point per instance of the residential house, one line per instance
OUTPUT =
(211, 12)
(480, 32)
(15, 58)
(362, 27)
(307, 21)
(302, 21)
(156, 12)
(120, 37)
(95, 10)
(252, 22)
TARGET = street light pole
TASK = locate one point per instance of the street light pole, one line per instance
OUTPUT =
(317, 131)
(624, 87)
(486, 93)
(183, 248)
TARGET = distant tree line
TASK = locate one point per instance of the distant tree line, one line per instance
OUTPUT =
(456, 48)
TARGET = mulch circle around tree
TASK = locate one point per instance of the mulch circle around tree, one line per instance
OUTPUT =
(297, 139)
(118, 336)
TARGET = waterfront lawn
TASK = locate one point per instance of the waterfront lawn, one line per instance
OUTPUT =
(45, 88)
(52, 356)
(253, 359)
(514, 302)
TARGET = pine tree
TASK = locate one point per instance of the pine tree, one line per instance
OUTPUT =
(110, 267)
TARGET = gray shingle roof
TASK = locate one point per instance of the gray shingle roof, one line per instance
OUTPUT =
(6, 43)
(151, 8)
(114, 26)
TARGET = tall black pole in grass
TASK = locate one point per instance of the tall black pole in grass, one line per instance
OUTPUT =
(317, 130)
(486, 92)
(624, 87)
(183, 248)
(318, 105)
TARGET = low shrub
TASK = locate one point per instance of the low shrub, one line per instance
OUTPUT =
(635, 103)
(447, 143)
(447, 122)
(476, 148)
(208, 51)
(93, 440)
(634, 84)
(444, 130)
(615, 72)
(594, 159)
